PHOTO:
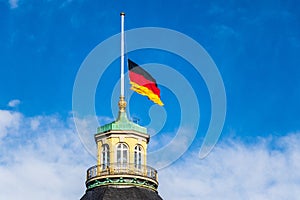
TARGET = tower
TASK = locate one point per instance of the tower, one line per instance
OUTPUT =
(121, 171)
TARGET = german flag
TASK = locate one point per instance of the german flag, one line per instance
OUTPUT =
(143, 83)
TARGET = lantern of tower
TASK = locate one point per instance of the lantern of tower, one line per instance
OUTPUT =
(122, 155)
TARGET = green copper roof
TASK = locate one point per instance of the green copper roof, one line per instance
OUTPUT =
(122, 124)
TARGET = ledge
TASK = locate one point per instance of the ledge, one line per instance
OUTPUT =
(122, 175)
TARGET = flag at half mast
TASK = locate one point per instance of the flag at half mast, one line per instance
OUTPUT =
(143, 83)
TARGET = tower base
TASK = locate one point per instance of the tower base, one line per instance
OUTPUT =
(115, 193)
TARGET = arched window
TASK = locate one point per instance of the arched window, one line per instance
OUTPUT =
(138, 153)
(122, 154)
(105, 156)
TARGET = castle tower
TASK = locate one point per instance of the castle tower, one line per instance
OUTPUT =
(121, 171)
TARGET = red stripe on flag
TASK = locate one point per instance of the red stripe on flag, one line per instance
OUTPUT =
(141, 80)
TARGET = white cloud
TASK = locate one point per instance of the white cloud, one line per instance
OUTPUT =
(34, 123)
(166, 148)
(13, 4)
(9, 122)
(45, 159)
(268, 169)
(14, 103)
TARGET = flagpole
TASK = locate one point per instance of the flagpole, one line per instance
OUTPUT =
(122, 103)
(122, 54)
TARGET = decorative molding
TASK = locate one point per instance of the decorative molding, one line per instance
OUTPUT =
(139, 141)
(122, 181)
(103, 141)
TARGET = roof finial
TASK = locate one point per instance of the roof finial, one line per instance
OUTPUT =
(122, 104)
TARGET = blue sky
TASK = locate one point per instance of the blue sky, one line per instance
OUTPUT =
(255, 45)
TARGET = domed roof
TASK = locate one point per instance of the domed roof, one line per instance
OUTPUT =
(115, 193)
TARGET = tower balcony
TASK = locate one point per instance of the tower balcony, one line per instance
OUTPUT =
(122, 175)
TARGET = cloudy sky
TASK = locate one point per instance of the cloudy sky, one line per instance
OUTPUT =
(255, 48)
